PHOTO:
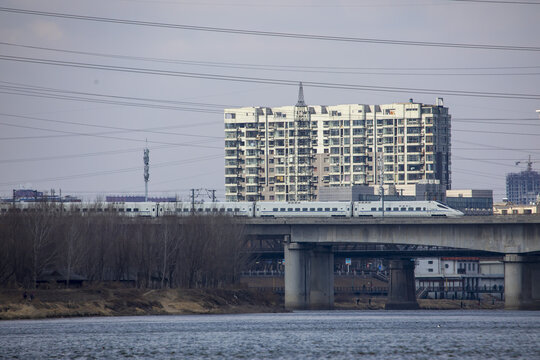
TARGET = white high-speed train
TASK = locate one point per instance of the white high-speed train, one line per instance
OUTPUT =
(252, 209)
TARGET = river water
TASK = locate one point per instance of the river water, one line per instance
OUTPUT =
(298, 335)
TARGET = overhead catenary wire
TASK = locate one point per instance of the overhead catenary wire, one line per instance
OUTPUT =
(269, 33)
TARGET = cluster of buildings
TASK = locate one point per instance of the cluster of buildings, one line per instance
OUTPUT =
(350, 152)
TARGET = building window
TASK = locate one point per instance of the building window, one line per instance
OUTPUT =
(430, 262)
(430, 270)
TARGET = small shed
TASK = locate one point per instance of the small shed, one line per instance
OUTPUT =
(60, 277)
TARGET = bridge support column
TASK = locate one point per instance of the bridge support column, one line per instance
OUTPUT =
(296, 276)
(521, 282)
(309, 276)
(321, 294)
(401, 291)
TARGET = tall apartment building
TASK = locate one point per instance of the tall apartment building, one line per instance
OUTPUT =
(287, 153)
(523, 187)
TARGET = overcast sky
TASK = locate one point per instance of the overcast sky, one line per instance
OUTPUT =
(79, 97)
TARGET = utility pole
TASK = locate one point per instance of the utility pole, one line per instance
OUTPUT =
(146, 159)
(213, 195)
(192, 201)
(381, 182)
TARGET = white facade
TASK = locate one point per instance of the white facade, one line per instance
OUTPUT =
(287, 153)
(459, 277)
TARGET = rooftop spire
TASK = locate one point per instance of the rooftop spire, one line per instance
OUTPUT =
(301, 96)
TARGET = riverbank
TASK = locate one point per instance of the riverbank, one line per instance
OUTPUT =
(378, 303)
(99, 301)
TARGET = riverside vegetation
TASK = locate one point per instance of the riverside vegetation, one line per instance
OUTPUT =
(130, 266)
(197, 252)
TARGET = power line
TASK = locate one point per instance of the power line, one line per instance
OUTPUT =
(83, 155)
(494, 132)
(109, 172)
(121, 129)
(38, 89)
(100, 135)
(270, 81)
(505, 2)
(269, 33)
(296, 68)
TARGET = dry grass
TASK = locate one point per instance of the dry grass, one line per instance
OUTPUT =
(100, 301)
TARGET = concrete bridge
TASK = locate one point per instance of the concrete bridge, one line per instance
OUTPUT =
(309, 260)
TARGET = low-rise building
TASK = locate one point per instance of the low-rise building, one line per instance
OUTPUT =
(458, 277)
(471, 202)
(508, 208)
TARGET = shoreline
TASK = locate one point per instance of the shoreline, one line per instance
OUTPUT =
(86, 302)
(102, 301)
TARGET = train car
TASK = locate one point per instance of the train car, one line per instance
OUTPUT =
(303, 209)
(212, 208)
(403, 209)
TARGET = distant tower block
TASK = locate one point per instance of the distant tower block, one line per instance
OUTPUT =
(146, 159)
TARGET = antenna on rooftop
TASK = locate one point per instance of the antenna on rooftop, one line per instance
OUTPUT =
(301, 96)
(146, 159)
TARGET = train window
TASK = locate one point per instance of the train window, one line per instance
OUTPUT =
(380, 209)
(319, 209)
(334, 209)
(119, 210)
(289, 209)
(128, 209)
(207, 210)
(160, 209)
(84, 210)
(311, 209)
(442, 206)
(136, 210)
(304, 209)
(403, 209)
(326, 209)
(186, 210)
(214, 210)
(236, 209)
(390, 209)
(411, 209)
(222, 210)
(424, 209)
(297, 209)
(275, 209)
(200, 210)
(229, 209)
(100, 210)
(418, 209)
(373, 209)
(282, 209)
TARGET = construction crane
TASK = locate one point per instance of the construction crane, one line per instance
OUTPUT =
(529, 163)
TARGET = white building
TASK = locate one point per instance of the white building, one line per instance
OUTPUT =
(287, 153)
(458, 277)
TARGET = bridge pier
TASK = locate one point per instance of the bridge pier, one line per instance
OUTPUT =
(401, 289)
(521, 282)
(309, 276)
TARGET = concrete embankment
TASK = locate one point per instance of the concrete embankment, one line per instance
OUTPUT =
(53, 303)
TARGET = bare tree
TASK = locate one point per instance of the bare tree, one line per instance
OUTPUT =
(40, 224)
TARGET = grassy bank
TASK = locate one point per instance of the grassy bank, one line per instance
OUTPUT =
(99, 301)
